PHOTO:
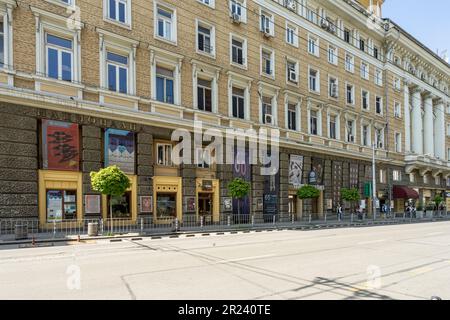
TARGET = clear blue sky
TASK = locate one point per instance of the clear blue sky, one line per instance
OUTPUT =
(427, 20)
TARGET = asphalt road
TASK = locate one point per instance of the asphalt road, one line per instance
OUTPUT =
(391, 262)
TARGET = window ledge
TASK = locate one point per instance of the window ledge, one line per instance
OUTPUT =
(205, 54)
(240, 66)
(117, 23)
(59, 82)
(118, 94)
(62, 4)
(171, 42)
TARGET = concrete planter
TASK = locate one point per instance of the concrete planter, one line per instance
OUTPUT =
(92, 229)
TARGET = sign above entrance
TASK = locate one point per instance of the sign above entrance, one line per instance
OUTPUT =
(207, 185)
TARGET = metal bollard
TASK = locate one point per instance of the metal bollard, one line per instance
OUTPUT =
(228, 221)
(54, 228)
(274, 219)
(142, 225)
(253, 220)
(309, 218)
(293, 219)
(201, 222)
(325, 217)
(176, 224)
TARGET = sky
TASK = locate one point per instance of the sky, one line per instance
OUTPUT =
(427, 20)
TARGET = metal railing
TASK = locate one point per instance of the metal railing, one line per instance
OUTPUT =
(198, 223)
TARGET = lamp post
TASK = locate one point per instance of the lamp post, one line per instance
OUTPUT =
(374, 184)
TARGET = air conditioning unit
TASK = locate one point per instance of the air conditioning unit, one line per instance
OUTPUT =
(292, 75)
(266, 32)
(325, 24)
(290, 4)
(268, 119)
(236, 18)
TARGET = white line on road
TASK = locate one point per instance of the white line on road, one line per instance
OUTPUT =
(244, 259)
(370, 242)
(433, 234)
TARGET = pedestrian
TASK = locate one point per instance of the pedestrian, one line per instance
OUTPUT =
(339, 212)
(359, 212)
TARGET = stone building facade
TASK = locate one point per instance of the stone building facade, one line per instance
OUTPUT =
(121, 76)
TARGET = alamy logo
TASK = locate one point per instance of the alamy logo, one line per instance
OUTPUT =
(262, 146)
(74, 277)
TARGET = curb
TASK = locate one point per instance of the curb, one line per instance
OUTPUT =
(190, 234)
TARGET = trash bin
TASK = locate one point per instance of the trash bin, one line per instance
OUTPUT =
(21, 231)
(92, 229)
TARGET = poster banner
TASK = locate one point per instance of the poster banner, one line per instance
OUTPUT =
(60, 145)
(271, 192)
(242, 169)
(316, 173)
(92, 204)
(146, 203)
(119, 150)
(295, 170)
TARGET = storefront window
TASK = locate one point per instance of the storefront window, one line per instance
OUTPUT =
(61, 205)
(121, 205)
(166, 205)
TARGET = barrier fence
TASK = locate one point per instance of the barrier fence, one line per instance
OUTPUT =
(11, 229)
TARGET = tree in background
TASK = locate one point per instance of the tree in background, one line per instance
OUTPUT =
(110, 181)
(351, 196)
(238, 189)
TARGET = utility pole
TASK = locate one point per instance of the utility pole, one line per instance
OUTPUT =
(374, 184)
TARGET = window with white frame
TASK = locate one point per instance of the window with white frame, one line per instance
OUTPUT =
(2, 44)
(333, 126)
(362, 44)
(350, 130)
(378, 77)
(448, 154)
(398, 142)
(437, 180)
(365, 135)
(57, 46)
(267, 62)
(350, 94)
(379, 105)
(267, 115)
(313, 122)
(314, 80)
(6, 26)
(349, 63)
(448, 129)
(165, 22)
(238, 103)
(292, 116)
(376, 52)
(396, 175)
(117, 66)
(291, 34)
(448, 181)
(59, 57)
(332, 55)
(365, 98)
(267, 23)
(347, 35)
(205, 38)
(292, 71)
(412, 177)
(204, 95)
(165, 85)
(209, 3)
(379, 138)
(238, 51)
(333, 87)
(313, 45)
(425, 178)
(397, 109)
(238, 10)
(164, 154)
(118, 10)
(203, 158)
(364, 70)
(311, 15)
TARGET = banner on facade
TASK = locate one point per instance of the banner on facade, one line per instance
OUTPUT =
(295, 170)
(316, 173)
(60, 145)
(92, 203)
(146, 203)
(119, 150)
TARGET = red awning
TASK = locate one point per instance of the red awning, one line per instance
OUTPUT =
(402, 192)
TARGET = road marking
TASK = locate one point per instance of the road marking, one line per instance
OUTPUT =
(244, 259)
(421, 270)
(370, 242)
(434, 234)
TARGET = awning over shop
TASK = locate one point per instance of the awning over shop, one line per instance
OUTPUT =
(403, 192)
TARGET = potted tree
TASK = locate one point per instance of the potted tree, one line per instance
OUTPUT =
(351, 196)
(238, 189)
(308, 192)
(110, 181)
(438, 199)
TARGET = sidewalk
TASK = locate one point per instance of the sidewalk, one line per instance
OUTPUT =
(208, 230)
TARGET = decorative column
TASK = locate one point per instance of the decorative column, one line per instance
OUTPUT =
(407, 114)
(428, 125)
(417, 123)
(439, 131)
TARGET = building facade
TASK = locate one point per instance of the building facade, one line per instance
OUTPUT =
(87, 84)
